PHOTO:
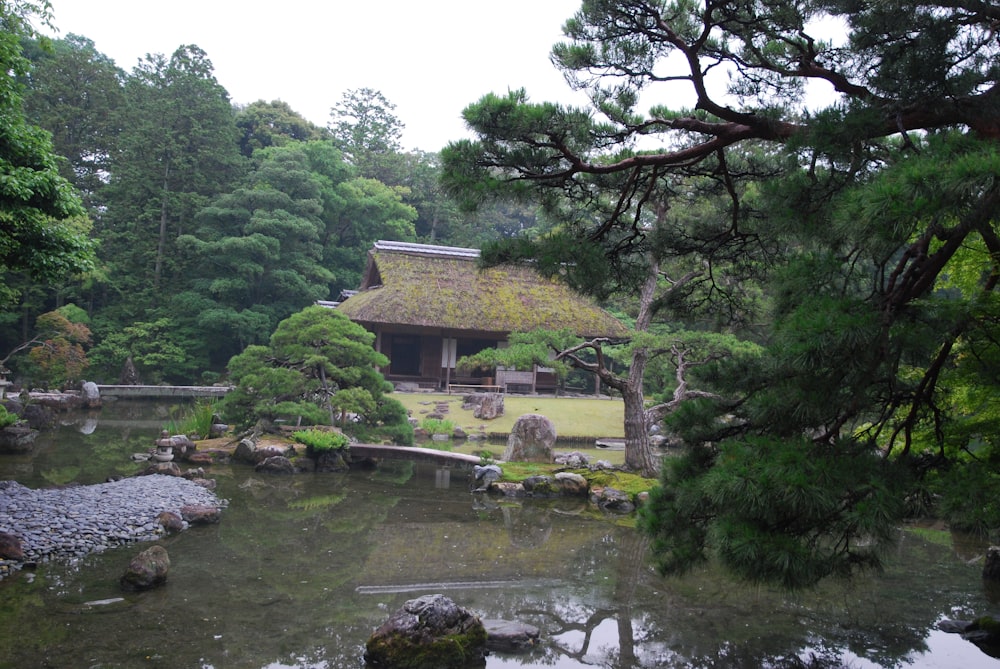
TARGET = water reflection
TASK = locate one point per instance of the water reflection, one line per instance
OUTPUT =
(303, 568)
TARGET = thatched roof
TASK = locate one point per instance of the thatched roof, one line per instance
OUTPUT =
(443, 287)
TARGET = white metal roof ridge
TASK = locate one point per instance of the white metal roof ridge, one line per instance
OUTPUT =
(426, 249)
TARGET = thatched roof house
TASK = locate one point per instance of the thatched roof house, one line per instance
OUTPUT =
(430, 305)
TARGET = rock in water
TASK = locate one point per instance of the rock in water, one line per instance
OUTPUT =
(147, 570)
(991, 568)
(91, 395)
(10, 547)
(431, 632)
(507, 636)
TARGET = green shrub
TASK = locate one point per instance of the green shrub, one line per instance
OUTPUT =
(400, 434)
(6, 418)
(320, 440)
(438, 426)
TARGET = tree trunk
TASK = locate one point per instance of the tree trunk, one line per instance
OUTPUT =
(638, 454)
(327, 395)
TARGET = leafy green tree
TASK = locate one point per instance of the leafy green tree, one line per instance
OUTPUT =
(75, 92)
(296, 232)
(43, 236)
(275, 123)
(849, 218)
(318, 364)
(360, 212)
(154, 348)
(256, 254)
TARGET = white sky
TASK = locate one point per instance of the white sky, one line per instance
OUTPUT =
(430, 58)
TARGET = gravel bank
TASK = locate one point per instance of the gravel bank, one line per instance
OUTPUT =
(60, 523)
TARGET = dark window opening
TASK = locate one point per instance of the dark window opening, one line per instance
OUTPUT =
(405, 355)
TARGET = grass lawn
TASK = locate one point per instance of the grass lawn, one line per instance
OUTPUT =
(574, 417)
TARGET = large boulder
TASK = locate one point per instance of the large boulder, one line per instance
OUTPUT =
(431, 632)
(571, 483)
(10, 547)
(486, 406)
(484, 475)
(90, 394)
(170, 522)
(17, 439)
(531, 439)
(200, 514)
(276, 464)
(147, 570)
(612, 500)
(991, 568)
(38, 416)
(332, 460)
(984, 632)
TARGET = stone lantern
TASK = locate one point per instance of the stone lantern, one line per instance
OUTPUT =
(164, 448)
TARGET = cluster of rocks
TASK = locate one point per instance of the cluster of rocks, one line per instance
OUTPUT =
(70, 522)
(280, 457)
(433, 632)
(487, 479)
(484, 406)
(532, 439)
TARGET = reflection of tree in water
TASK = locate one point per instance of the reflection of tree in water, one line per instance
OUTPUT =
(577, 620)
(615, 612)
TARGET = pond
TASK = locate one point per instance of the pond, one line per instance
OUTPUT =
(302, 568)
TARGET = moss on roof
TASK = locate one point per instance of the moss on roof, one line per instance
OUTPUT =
(430, 290)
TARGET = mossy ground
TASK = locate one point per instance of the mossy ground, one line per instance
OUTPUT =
(631, 484)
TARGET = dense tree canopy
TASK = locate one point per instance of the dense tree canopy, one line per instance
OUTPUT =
(847, 221)
(43, 236)
(273, 123)
(75, 92)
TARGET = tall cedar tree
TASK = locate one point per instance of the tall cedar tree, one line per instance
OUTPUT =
(178, 147)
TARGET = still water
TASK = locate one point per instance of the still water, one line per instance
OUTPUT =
(301, 570)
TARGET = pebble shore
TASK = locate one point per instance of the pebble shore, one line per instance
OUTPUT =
(66, 523)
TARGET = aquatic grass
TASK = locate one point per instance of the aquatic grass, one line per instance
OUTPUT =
(195, 421)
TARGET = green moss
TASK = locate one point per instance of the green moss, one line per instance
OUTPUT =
(455, 651)
(515, 472)
(457, 293)
(988, 624)
(631, 484)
